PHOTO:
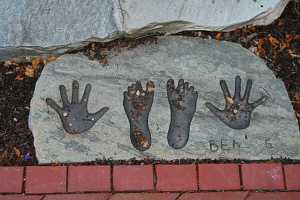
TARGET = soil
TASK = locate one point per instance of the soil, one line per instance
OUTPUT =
(278, 44)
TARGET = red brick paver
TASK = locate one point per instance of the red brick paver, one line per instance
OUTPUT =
(21, 197)
(274, 196)
(90, 196)
(215, 196)
(11, 179)
(262, 176)
(219, 177)
(176, 178)
(44, 179)
(133, 178)
(89, 178)
(165, 182)
(292, 176)
(144, 196)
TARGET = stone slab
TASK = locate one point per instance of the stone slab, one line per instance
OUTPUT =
(57, 22)
(273, 132)
(179, 15)
(68, 25)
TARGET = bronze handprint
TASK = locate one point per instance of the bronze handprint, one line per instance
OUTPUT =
(75, 116)
(237, 111)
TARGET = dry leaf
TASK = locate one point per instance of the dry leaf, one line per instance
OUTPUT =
(50, 59)
(219, 36)
(281, 22)
(19, 77)
(29, 72)
(230, 100)
(293, 54)
(274, 41)
(18, 152)
(35, 63)
(260, 51)
(284, 45)
(3, 155)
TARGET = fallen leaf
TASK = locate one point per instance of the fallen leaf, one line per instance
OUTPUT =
(19, 77)
(281, 22)
(219, 36)
(230, 100)
(293, 54)
(260, 51)
(289, 37)
(50, 59)
(29, 72)
(283, 46)
(4, 155)
(35, 63)
(274, 41)
(18, 152)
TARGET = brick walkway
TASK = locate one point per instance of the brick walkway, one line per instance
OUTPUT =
(263, 181)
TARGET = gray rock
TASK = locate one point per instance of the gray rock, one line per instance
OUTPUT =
(273, 132)
(68, 25)
(49, 23)
(214, 15)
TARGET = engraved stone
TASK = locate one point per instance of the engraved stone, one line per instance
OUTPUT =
(273, 131)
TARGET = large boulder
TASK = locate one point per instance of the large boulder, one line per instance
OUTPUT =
(273, 132)
(70, 24)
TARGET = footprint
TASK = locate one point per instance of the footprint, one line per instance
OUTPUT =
(137, 104)
(182, 100)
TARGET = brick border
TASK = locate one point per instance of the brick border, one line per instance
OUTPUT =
(230, 177)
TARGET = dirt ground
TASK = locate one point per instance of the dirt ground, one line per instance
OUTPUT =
(278, 44)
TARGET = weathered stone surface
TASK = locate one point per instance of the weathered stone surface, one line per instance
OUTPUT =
(48, 23)
(175, 16)
(70, 24)
(273, 131)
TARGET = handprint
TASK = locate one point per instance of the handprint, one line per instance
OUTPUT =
(237, 112)
(75, 116)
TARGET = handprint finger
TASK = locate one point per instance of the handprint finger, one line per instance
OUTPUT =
(247, 90)
(212, 108)
(225, 90)
(54, 105)
(75, 91)
(63, 94)
(237, 91)
(86, 94)
(96, 116)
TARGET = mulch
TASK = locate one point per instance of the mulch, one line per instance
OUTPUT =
(278, 44)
